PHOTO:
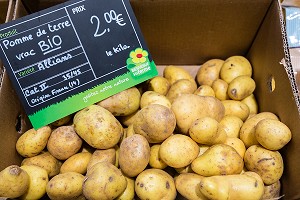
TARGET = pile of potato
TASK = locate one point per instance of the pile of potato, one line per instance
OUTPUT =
(176, 136)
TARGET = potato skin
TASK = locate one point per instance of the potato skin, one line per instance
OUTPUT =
(251, 102)
(205, 90)
(219, 159)
(46, 161)
(159, 84)
(272, 134)
(98, 127)
(182, 86)
(128, 193)
(175, 73)
(189, 107)
(220, 88)
(235, 66)
(104, 181)
(246, 186)
(76, 163)
(102, 155)
(134, 155)
(33, 142)
(268, 164)
(123, 103)
(178, 150)
(231, 125)
(209, 71)
(14, 182)
(38, 182)
(241, 87)
(187, 184)
(272, 191)
(161, 183)
(64, 142)
(205, 131)
(151, 97)
(155, 122)
(247, 131)
(155, 160)
(237, 144)
(236, 108)
(65, 186)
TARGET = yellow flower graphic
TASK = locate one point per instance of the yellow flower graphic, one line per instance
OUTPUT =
(138, 55)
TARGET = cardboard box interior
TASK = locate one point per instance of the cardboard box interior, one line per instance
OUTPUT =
(189, 32)
(3, 10)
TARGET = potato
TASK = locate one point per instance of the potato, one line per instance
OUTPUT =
(184, 170)
(202, 149)
(187, 185)
(272, 191)
(62, 121)
(98, 127)
(244, 186)
(182, 86)
(150, 97)
(155, 122)
(272, 134)
(155, 184)
(231, 125)
(241, 87)
(65, 186)
(102, 155)
(155, 160)
(268, 164)
(159, 84)
(209, 71)
(178, 150)
(247, 131)
(237, 144)
(205, 90)
(220, 88)
(38, 182)
(219, 159)
(197, 107)
(134, 155)
(64, 142)
(175, 73)
(128, 193)
(76, 163)
(130, 130)
(117, 148)
(129, 119)
(44, 160)
(235, 66)
(236, 108)
(32, 142)
(123, 103)
(14, 182)
(251, 102)
(105, 181)
(205, 131)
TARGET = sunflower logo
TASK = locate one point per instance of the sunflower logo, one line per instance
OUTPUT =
(137, 56)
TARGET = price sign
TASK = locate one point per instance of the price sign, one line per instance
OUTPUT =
(69, 56)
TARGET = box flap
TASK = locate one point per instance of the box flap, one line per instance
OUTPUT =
(13, 118)
(282, 98)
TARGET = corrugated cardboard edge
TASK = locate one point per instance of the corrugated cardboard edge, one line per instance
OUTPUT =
(287, 62)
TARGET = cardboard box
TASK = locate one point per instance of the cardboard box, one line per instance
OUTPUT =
(189, 32)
